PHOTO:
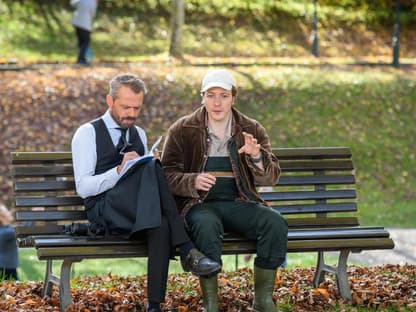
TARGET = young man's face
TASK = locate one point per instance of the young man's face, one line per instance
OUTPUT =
(126, 107)
(218, 103)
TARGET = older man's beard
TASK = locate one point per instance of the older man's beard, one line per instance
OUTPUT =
(120, 121)
(132, 119)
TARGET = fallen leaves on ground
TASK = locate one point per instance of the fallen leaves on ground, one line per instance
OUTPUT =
(381, 287)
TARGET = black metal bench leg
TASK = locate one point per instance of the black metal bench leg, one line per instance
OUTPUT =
(342, 278)
(340, 272)
(64, 286)
(63, 282)
(50, 279)
(320, 270)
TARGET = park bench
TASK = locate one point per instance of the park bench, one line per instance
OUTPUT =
(316, 193)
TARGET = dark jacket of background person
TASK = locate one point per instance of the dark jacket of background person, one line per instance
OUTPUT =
(9, 260)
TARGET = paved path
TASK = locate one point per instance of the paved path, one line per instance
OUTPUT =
(404, 250)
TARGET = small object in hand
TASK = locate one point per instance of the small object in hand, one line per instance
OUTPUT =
(156, 154)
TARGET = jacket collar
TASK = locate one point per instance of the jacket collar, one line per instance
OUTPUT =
(198, 119)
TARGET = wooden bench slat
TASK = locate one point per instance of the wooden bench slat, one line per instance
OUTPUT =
(48, 201)
(283, 153)
(283, 209)
(286, 166)
(309, 195)
(294, 234)
(44, 186)
(312, 152)
(41, 186)
(321, 165)
(51, 215)
(356, 245)
(242, 247)
(89, 252)
(81, 215)
(322, 222)
(353, 232)
(316, 180)
(46, 229)
(42, 171)
(31, 157)
(316, 208)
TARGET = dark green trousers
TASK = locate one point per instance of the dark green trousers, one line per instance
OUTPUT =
(208, 221)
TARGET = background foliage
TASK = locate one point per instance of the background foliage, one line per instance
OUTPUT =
(40, 30)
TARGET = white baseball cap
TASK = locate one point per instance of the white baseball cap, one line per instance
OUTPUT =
(218, 78)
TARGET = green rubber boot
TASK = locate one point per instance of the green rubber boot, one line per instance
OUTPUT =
(263, 290)
(209, 288)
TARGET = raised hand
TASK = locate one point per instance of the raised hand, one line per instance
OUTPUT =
(250, 147)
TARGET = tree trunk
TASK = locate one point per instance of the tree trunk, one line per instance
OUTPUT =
(178, 19)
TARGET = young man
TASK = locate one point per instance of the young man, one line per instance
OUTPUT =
(212, 159)
(137, 203)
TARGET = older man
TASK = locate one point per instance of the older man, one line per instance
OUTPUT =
(136, 203)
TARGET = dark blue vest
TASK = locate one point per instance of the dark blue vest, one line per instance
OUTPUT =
(107, 154)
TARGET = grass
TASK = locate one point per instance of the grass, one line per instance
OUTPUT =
(220, 29)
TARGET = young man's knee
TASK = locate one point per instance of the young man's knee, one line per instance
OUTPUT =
(201, 222)
(206, 228)
(277, 222)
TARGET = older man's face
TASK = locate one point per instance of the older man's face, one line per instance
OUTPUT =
(126, 107)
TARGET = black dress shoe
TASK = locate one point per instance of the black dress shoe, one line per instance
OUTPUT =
(199, 264)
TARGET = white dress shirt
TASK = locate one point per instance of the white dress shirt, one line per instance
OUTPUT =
(84, 158)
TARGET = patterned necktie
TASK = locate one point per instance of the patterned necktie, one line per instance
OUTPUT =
(122, 143)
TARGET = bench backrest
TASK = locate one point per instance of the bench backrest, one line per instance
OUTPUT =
(315, 181)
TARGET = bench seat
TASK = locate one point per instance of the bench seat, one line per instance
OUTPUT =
(59, 247)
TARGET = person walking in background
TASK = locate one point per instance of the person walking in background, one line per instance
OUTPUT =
(9, 260)
(212, 159)
(137, 203)
(82, 20)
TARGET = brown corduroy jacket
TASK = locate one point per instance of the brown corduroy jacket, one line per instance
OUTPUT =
(185, 154)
